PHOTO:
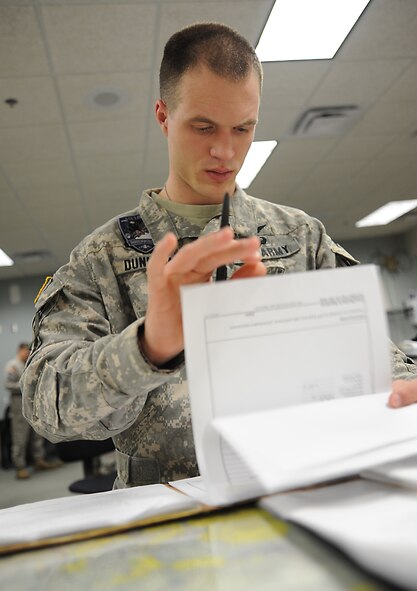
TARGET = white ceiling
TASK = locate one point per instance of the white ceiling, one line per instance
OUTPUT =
(67, 166)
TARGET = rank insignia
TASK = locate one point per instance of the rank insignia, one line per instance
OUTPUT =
(136, 234)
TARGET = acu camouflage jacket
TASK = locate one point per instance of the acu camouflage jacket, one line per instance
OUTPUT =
(86, 378)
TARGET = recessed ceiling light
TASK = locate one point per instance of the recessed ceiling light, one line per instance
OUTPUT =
(107, 98)
(387, 213)
(5, 260)
(258, 154)
(307, 29)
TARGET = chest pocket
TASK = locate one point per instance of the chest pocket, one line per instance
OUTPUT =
(278, 252)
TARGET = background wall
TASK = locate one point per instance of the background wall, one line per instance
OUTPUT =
(399, 277)
(398, 273)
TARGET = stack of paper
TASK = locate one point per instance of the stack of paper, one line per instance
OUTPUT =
(84, 516)
(289, 378)
(374, 524)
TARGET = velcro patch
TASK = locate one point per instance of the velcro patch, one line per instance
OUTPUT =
(131, 264)
(278, 247)
(136, 234)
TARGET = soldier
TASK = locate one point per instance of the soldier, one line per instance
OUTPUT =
(107, 357)
(23, 437)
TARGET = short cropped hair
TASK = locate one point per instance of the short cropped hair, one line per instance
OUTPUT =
(222, 49)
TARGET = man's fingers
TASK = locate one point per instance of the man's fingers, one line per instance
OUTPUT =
(162, 251)
(404, 392)
(211, 251)
(256, 270)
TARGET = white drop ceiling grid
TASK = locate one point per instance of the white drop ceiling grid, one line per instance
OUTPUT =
(66, 166)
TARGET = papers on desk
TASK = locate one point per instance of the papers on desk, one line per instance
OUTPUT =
(400, 473)
(289, 378)
(79, 517)
(372, 523)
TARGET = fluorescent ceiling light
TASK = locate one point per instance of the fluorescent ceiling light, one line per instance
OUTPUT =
(5, 261)
(387, 213)
(258, 154)
(307, 29)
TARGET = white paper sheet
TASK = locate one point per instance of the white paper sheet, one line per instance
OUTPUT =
(374, 524)
(304, 444)
(400, 472)
(80, 513)
(276, 341)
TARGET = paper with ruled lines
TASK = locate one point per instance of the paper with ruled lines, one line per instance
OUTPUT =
(275, 344)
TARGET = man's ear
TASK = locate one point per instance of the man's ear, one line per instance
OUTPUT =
(161, 115)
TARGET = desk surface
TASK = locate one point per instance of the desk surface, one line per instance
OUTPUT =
(243, 549)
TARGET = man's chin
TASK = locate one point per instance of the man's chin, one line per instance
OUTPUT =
(216, 193)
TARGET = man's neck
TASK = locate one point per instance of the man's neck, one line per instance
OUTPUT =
(187, 196)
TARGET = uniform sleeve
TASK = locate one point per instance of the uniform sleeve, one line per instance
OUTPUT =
(403, 368)
(329, 253)
(81, 381)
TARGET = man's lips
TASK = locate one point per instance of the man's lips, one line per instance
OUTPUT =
(220, 174)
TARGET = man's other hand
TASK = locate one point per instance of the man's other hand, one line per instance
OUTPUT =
(403, 392)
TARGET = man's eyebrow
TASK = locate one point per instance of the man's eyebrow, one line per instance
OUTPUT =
(198, 119)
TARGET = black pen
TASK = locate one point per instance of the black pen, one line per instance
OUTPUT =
(221, 272)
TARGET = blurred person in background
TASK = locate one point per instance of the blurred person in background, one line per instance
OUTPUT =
(24, 439)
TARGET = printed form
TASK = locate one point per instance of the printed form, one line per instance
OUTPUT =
(258, 347)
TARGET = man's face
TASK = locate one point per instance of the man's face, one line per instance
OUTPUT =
(24, 354)
(209, 133)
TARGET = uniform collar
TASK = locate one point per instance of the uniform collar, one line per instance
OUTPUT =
(243, 218)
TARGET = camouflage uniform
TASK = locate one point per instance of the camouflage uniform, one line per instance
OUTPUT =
(86, 377)
(22, 434)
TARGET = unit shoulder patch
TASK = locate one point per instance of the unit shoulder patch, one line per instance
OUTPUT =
(135, 234)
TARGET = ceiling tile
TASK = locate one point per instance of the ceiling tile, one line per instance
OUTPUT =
(21, 46)
(157, 162)
(113, 192)
(37, 102)
(77, 93)
(246, 16)
(56, 196)
(357, 82)
(404, 149)
(275, 123)
(32, 172)
(405, 88)
(387, 118)
(290, 84)
(359, 148)
(3, 182)
(387, 29)
(40, 142)
(106, 137)
(103, 167)
(303, 151)
(10, 209)
(100, 38)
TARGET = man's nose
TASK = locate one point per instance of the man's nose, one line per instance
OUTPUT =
(222, 147)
